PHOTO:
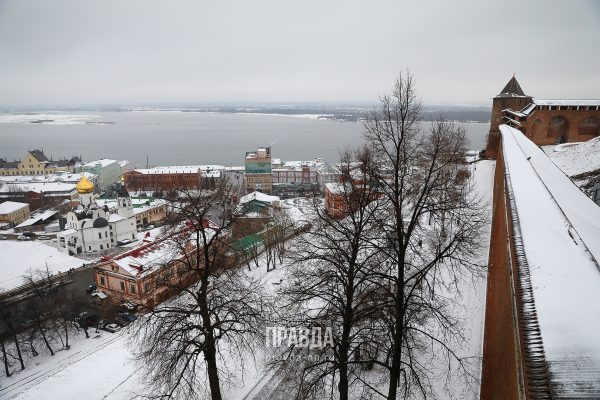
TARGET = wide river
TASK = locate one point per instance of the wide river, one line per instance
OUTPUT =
(183, 138)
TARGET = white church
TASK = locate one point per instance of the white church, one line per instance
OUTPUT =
(90, 228)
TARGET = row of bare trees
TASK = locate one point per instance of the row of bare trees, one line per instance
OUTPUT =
(381, 279)
(45, 318)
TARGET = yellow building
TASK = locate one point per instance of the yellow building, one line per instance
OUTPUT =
(14, 212)
(35, 162)
(9, 167)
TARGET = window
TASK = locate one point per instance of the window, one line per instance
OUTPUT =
(105, 234)
(132, 288)
(101, 247)
(147, 287)
(122, 286)
(102, 281)
(99, 235)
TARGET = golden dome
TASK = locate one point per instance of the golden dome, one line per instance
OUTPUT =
(84, 185)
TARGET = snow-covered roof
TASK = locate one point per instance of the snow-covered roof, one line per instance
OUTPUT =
(140, 204)
(104, 162)
(65, 177)
(175, 169)
(560, 102)
(38, 187)
(38, 217)
(513, 112)
(560, 230)
(334, 187)
(11, 206)
(115, 218)
(18, 258)
(259, 196)
(528, 109)
(151, 256)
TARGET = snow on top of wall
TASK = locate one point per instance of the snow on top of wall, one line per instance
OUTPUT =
(560, 102)
(560, 228)
(576, 158)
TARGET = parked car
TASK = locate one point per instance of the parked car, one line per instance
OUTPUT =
(43, 237)
(29, 234)
(3, 238)
(112, 328)
(126, 318)
(22, 237)
(99, 295)
(91, 288)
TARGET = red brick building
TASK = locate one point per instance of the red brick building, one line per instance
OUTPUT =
(545, 122)
(163, 178)
(148, 274)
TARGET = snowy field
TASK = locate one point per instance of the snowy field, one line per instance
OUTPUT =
(18, 258)
(105, 367)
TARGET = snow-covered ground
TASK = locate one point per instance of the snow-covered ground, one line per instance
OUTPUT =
(469, 306)
(576, 158)
(105, 368)
(17, 258)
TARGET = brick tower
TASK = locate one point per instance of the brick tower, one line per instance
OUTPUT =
(513, 97)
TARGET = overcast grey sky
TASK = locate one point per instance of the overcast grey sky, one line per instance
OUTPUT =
(71, 52)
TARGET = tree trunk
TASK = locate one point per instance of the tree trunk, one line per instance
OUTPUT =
(66, 325)
(395, 369)
(5, 358)
(16, 339)
(210, 356)
(45, 338)
(210, 350)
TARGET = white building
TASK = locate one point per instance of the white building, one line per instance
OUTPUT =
(91, 228)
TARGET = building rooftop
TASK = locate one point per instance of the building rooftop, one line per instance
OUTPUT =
(11, 206)
(39, 155)
(66, 177)
(38, 187)
(175, 169)
(37, 218)
(512, 89)
(566, 102)
(104, 162)
(258, 196)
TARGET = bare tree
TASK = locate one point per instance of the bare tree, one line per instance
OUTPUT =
(4, 356)
(9, 326)
(330, 286)
(183, 339)
(284, 227)
(429, 228)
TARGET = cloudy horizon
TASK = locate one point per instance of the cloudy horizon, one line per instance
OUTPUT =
(73, 53)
